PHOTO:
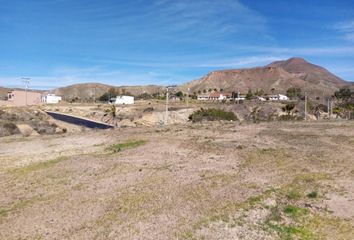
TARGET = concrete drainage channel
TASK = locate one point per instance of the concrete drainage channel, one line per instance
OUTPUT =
(79, 121)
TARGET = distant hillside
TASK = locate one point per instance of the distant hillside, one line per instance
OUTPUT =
(279, 76)
(87, 91)
(276, 77)
(3, 92)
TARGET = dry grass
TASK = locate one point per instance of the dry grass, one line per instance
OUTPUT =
(211, 181)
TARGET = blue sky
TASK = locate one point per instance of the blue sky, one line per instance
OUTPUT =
(139, 42)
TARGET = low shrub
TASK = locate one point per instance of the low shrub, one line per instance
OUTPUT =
(8, 129)
(313, 194)
(289, 118)
(212, 114)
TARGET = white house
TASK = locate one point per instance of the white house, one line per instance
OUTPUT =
(51, 98)
(283, 97)
(278, 97)
(122, 100)
(262, 99)
(203, 97)
(219, 96)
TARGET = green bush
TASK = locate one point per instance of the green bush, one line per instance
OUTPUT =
(288, 108)
(313, 194)
(294, 93)
(8, 129)
(212, 114)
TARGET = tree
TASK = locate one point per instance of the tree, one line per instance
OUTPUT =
(204, 91)
(272, 90)
(221, 89)
(210, 90)
(179, 94)
(112, 92)
(343, 94)
(145, 96)
(288, 108)
(293, 92)
(259, 93)
(249, 95)
(104, 97)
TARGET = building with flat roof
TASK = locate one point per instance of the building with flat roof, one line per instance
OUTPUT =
(51, 99)
(23, 98)
(122, 100)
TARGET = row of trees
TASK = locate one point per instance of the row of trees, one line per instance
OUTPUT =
(209, 90)
(112, 92)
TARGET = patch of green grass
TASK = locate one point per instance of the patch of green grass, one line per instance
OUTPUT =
(4, 211)
(125, 145)
(37, 166)
(329, 227)
(254, 200)
(292, 232)
(293, 195)
(187, 235)
(276, 157)
(295, 211)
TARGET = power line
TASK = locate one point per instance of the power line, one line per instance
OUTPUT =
(26, 81)
(305, 106)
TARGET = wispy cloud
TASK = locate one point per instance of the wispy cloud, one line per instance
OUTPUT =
(199, 21)
(204, 17)
(346, 28)
(68, 75)
(242, 62)
(197, 62)
(302, 51)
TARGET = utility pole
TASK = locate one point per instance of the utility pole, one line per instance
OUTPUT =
(328, 108)
(166, 120)
(188, 97)
(26, 81)
(305, 106)
(167, 97)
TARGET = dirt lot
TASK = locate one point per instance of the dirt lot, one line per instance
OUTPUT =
(280, 180)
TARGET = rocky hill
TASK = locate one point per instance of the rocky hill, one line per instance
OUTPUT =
(277, 77)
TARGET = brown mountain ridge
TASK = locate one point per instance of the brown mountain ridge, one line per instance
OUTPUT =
(278, 76)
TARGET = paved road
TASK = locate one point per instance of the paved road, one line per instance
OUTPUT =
(79, 121)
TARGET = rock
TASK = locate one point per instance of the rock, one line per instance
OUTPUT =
(126, 123)
(269, 202)
(26, 130)
(59, 130)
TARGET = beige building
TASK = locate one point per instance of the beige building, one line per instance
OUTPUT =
(21, 98)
